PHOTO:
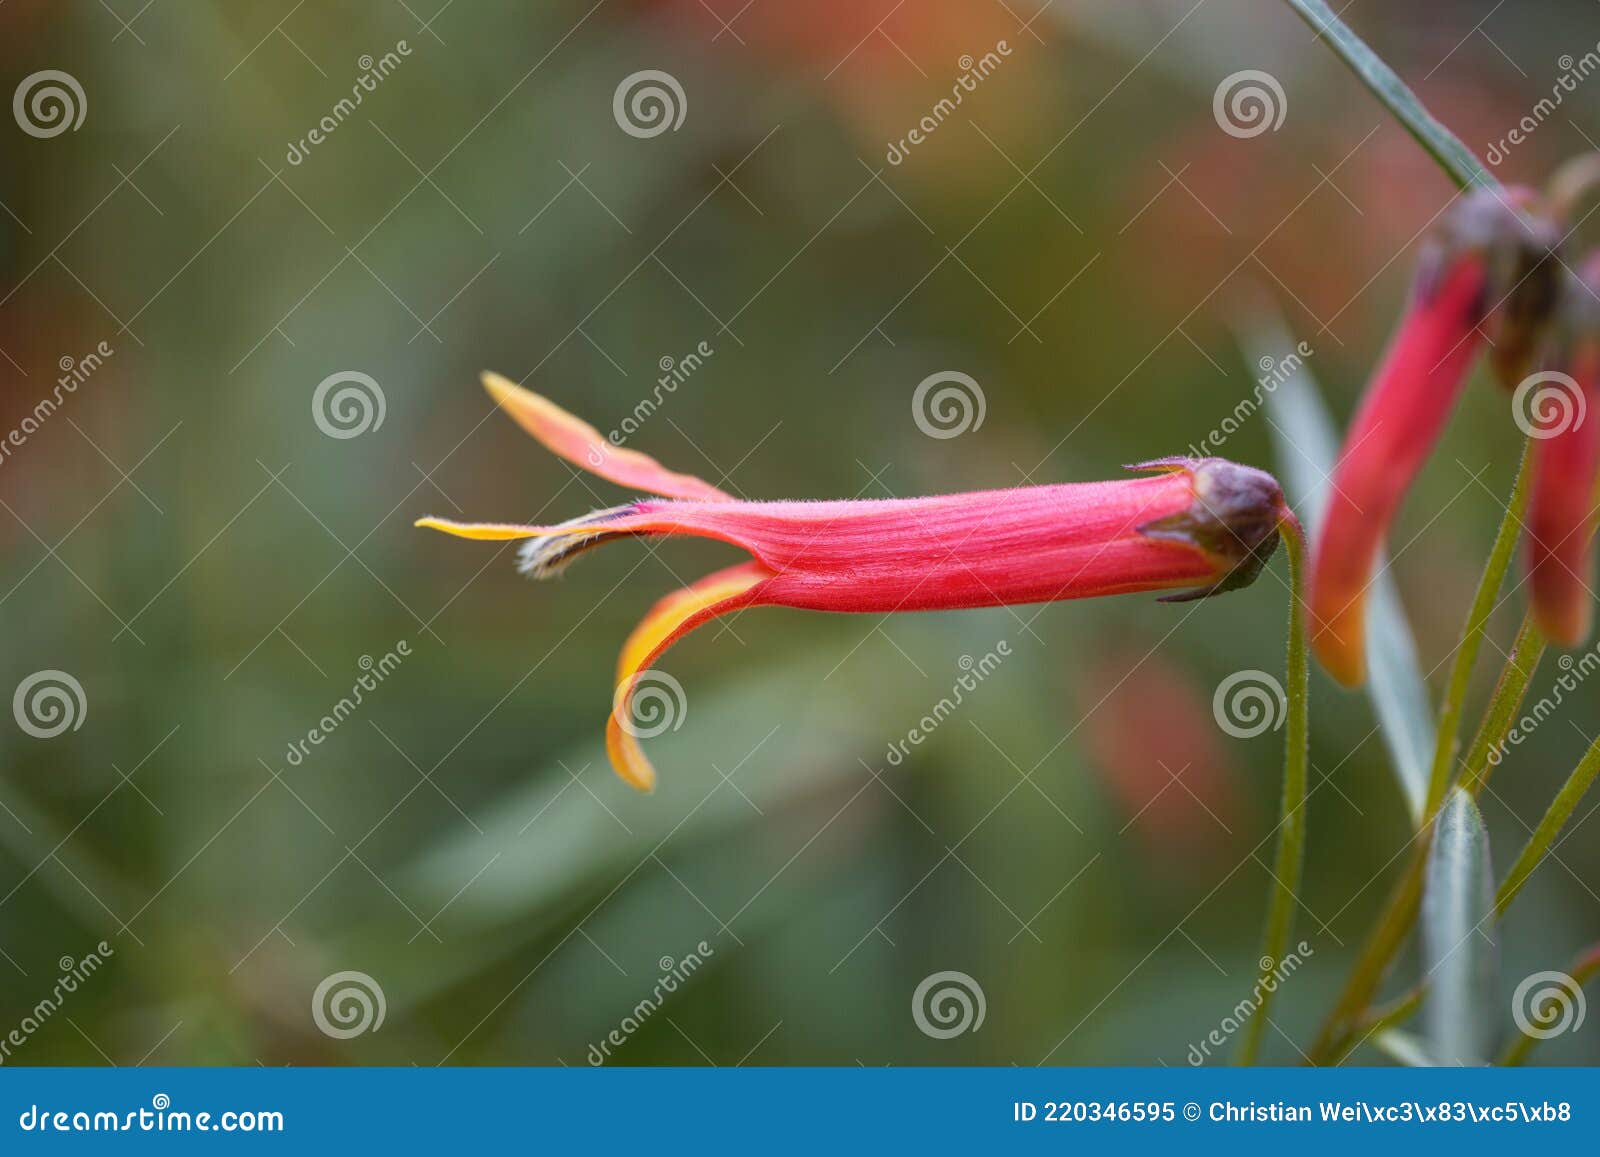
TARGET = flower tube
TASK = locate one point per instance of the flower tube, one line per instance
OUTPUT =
(1486, 263)
(1196, 527)
(1558, 409)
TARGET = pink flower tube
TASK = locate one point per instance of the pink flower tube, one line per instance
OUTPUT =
(1562, 410)
(1485, 262)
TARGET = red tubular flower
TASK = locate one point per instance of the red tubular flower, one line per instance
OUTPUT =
(1560, 407)
(1485, 262)
(1205, 524)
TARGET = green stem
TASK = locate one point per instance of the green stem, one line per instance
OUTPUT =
(1497, 721)
(1336, 1043)
(1292, 828)
(1561, 809)
(1483, 604)
(1442, 145)
(1517, 1051)
(1401, 1009)
(1376, 1020)
(1487, 746)
(1400, 910)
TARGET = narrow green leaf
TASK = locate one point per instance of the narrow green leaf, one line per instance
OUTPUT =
(1555, 818)
(1458, 937)
(1307, 445)
(1441, 144)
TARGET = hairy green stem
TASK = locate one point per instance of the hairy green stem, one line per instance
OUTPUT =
(1441, 144)
(1292, 827)
(1517, 1051)
(1483, 604)
(1376, 1020)
(1486, 751)
(1560, 811)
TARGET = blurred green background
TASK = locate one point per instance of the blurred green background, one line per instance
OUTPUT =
(1079, 236)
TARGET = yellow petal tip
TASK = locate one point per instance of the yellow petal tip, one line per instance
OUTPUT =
(496, 384)
(482, 531)
(628, 759)
(512, 397)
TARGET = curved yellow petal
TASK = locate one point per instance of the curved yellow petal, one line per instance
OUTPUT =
(667, 622)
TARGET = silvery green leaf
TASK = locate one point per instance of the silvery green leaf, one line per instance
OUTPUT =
(1458, 937)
